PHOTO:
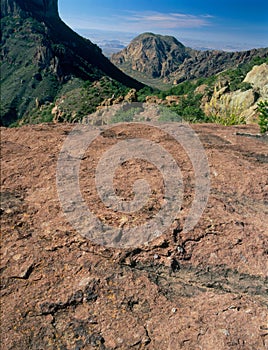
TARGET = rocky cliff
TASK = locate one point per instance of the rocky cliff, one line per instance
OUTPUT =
(41, 54)
(157, 56)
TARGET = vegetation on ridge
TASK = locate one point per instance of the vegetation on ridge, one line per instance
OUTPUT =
(190, 102)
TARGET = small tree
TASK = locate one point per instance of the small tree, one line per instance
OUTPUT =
(263, 117)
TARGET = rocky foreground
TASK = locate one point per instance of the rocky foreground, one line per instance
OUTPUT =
(205, 289)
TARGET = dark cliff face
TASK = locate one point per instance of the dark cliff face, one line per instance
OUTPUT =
(37, 8)
(47, 12)
(43, 54)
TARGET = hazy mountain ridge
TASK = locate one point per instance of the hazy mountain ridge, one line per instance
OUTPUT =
(164, 57)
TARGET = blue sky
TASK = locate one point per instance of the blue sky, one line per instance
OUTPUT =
(239, 24)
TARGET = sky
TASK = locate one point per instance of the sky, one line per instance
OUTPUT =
(227, 24)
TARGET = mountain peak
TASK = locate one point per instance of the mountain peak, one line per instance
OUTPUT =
(166, 38)
(153, 54)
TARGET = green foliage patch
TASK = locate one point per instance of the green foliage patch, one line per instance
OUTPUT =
(126, 114)
(227, 120)
(263, 116)
(189, 109)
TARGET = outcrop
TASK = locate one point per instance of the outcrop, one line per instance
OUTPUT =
(208, 63)
(240, 103)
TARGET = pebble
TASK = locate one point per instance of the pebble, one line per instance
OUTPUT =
(156, 256)
(17, 257)
(180, 249)
(174, 310)
(226, 332)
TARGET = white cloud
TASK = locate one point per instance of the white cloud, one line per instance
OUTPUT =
(160, 20)
(140, 21)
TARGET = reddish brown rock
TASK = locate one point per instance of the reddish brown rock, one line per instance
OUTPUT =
(62, 291)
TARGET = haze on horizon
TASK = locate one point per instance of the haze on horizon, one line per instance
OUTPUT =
(228, 25)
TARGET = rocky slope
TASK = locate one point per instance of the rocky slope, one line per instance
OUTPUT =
(157, 56)
(41, 55)
(203, 289)
(229, 98)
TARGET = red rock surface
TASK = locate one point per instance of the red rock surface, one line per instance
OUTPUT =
(62, 291)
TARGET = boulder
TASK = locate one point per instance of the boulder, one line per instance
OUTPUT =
(258, 76)
(153, 99)
(201, 89)
(173, 99)
(131, 96)
(240, 103)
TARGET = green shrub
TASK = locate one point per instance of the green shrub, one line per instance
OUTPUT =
(189, 109)
(187, 87)
(126, 115)
(227, 120)
(168, 115)
(244, 86)
(225, 113)
(146, 91)
(263, 116)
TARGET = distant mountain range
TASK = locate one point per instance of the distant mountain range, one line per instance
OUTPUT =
(114, 41)
(41, 56)
(164, 57)
(110, 42)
